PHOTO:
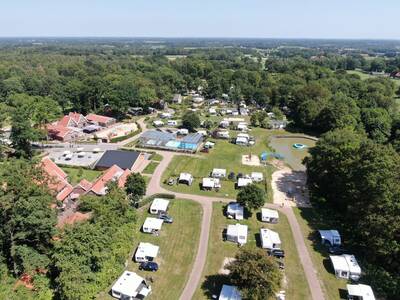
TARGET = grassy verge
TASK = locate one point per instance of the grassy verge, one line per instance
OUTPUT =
(296, 284)
(156, 157)
(309, 222)
(150, 167)
(75, 175)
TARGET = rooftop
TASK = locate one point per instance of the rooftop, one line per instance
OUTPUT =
(123, 159)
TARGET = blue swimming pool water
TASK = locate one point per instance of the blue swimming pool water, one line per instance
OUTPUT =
(180, 145)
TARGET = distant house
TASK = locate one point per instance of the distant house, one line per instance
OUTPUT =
(360, 292)
(270, 239)
(130, 286)
(177, 99)
(229, 292)
(237, 233)
(100, 120)
(126, 160)
(235, 211)
(346, 266)
(57, 180)
(146, 252)
(73, 119)
(61, 133)
(114, 173)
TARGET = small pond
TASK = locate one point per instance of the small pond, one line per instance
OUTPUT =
(292, 156)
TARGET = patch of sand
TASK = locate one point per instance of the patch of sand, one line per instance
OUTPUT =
(250, 160)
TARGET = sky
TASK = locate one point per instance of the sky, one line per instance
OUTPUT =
(361, 19)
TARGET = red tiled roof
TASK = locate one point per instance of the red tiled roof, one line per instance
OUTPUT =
(58, 130)
(98, 118)
(58, 179)
(52, 169)
(113, 173)
(122, 179)
(65, 192)
(85, 184)
(72, 116)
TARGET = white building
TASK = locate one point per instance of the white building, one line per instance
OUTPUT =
(146, 252)
(185, 178)
(158, 123)
(229, 292)
(237, 233)
(172, 123)
(152, 225)
(269, 215)
(270, 239)
(235, 210)
(360, 292)
(346, 266)
(130, 286)
(257, 176)
(223, 134)
(242, 182)
(330, 237)
(211, 183)
(159, 206)
(218, 173)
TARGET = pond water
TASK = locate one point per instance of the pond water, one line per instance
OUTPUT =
(292, 156)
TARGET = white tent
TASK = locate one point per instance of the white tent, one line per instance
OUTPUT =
(218, 173)
(346, 266)
(158, 206)
(269, 215)
(237, 233)
(244, 182)
(331, 237)
(152, 225)
(257, 176)
(210, 183)
(235, 210)
(229, 292)
(270, 239)
(129, 286)
(360, 292)
(185, 178)
(146, 252)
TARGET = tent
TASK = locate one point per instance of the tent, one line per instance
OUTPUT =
(130, 286)
(235, 210)
(237, 233)
(270, 239)
(185, 178)
(346, 266)
(146, 252)
(152, 225)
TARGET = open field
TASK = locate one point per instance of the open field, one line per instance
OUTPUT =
(75, 175)
(224, 155)
(178, 244)
(309, 222)
(218, 250)
(366, 76)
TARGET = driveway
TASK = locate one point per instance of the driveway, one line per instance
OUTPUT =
(194, 279)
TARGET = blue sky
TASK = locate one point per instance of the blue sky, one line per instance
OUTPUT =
(202, 18)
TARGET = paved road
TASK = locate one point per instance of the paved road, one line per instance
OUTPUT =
(201, 256)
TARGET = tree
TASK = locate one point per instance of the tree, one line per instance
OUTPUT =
(251, 197)
(135, 186)
(377, 124)
(255, 274)
(191, 121)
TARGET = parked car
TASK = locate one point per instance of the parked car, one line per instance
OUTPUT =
(278, 253)
(336, 250)
(148, 266)
(165, 218)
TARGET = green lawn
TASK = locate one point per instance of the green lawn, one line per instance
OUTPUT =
(366, 76)
(178, 244)
(297, 287)
(75, 175)
(224, 155)
(150, 167)
(156, 157)
(309, 223)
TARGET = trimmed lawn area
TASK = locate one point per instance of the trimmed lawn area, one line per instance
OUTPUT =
(156, 157)
(224, 155)
(178, 244)
(75, 175)
(150, 167)
(297, 287)
(309, 223)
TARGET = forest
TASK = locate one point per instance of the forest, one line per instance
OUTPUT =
(353, 171)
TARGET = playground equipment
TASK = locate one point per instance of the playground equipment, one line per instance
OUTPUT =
(299, 146)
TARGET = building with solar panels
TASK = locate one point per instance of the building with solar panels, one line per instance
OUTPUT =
(170, 141)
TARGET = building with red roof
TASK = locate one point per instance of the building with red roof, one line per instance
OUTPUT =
(68, 128)
(114, 173)
(57, 179)
(100, 120)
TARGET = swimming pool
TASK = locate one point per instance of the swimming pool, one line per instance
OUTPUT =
(181, 145)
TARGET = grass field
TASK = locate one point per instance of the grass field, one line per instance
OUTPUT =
(297, 287)
(224, 155)
(178, 244)
(150, 167)
(366, 76)
(75, 175)
(309, 223)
